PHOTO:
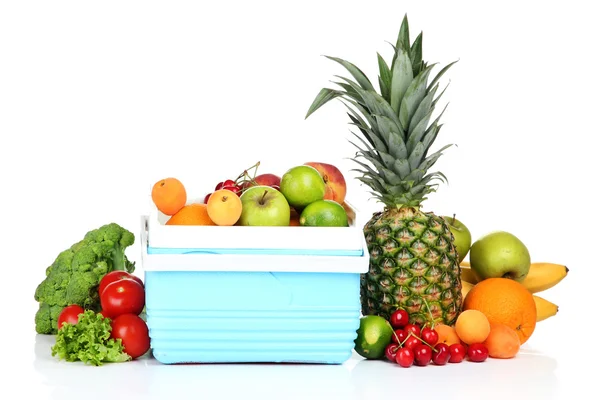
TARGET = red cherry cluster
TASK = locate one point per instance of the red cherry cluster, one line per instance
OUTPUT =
(415, 345)
(228, 185)
(238, 185)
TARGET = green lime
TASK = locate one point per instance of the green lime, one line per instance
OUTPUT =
(302, 185)
(374, 334)
(324, 213)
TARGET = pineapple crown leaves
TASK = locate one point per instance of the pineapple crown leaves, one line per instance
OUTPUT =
(395, 123)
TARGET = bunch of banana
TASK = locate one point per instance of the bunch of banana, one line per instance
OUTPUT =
(541, 276)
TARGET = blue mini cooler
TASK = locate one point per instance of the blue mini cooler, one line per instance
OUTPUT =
(252, 294)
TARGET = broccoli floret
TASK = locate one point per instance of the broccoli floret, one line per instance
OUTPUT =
(74, 276)
(46, 318)
(115, 239)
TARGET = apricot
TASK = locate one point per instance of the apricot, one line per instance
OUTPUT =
(472, 326)
(502, 342)
(169, 195)
(224, 207)
(446, 334)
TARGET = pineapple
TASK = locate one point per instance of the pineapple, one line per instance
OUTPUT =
(413, 261)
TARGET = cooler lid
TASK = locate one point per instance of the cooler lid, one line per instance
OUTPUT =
(254, 240)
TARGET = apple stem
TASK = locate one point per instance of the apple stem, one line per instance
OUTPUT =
(262, 199)
(453, 219)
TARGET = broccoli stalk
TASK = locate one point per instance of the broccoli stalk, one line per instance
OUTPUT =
(75, 274)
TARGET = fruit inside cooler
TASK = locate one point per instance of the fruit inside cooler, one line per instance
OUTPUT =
(252, 294)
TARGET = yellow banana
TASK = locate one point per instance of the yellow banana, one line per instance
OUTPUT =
(543, 276)
(466, 286)
(467, 275)
(545, 309)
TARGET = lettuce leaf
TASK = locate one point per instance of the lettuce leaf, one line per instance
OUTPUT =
(89, 341)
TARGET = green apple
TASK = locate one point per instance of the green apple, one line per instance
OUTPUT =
(302, 185)
(264, 206)
(462, 236)
(500, 254)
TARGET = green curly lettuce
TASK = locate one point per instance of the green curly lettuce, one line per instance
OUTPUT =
(89, 341)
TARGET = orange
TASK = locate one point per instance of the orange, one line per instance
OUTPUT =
(224, 207)
(502, 342)
(192, 214)
(169, 195)
(294, 217)
(472, 326)
(504, 301)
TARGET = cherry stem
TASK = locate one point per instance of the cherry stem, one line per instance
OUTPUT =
(432, 320)
(396, 336)
(411, 333)
(245, 173)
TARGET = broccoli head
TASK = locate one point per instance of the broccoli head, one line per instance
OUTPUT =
(46, 318)
(75, 274)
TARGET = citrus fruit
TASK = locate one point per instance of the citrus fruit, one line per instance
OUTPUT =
(224, 207)
(504, 301)
(374, 334)
(324, 213)
(192, 214)
(472, 326)
(302, 185)
(499, 254)
(294, 217)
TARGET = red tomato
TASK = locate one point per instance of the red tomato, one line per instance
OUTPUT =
(115, 276)
(124, 296)
(133, 332)
(70, 315)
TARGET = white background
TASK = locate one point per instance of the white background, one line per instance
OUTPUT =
(99, 100)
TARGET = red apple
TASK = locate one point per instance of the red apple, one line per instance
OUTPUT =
(335, 183)
(265, 180)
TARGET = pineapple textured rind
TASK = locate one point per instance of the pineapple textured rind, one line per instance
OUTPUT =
(413, 264)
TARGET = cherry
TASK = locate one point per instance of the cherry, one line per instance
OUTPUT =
(422, 354)
(457, 353)
(399, 319)
(412, 342)
(477, 352)
(229, 182)
(416, 329)
(405, 357)
(219, 185)
(441, 354)
(206, 198)
(399, 336)
(234, 189)
(390, 351)
(429, 335)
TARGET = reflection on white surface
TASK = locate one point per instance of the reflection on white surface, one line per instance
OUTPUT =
(530, 375)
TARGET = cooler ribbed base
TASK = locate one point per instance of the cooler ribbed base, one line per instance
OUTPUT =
(233, 317)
